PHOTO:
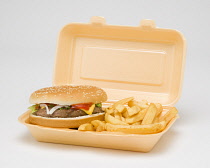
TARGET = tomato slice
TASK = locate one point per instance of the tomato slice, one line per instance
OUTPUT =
(84, 106)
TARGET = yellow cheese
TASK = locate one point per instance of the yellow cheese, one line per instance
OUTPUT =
(90, 111)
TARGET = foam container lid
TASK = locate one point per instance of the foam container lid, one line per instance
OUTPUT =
(144, 61)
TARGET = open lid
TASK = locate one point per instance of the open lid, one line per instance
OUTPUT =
(145, 62)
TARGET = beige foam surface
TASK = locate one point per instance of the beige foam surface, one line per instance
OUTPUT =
(145, 62)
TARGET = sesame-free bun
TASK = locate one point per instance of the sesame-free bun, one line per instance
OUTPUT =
(69, 94)
(64, 122)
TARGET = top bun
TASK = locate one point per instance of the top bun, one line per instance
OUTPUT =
(69, 94)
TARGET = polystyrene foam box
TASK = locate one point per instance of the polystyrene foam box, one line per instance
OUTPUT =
(144, 62)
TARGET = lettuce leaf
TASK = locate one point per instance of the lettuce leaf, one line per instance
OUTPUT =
(98, 105)
(51, 105)
(34, 108)
(64, 108)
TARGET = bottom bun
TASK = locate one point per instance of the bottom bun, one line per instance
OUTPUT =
(64, 122)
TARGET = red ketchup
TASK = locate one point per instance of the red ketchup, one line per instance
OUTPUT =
(84, 106)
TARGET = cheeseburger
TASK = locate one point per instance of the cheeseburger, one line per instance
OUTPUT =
(66, 106)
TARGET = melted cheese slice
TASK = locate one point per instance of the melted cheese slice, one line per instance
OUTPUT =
(90, 111)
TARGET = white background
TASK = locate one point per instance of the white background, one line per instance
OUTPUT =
(28, 36)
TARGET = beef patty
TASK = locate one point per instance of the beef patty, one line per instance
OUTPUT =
(65, 113)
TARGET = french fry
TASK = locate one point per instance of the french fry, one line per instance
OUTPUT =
(101, 128)
(109, 110)
(169, 115)
(98, 125)
(159, 112)
(120, 108)
(137, 123)
(123, 101)
(151, 112)
(112, 120)
(118, 116)
(156, 119)
(142, 104)
(133, 110)
(136, 118)
(125, 113)
(137, 129)
(159, 109)
(122, 119)
(86, 127)
(132, 103)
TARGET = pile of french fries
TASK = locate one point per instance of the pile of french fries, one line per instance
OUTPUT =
(133, 117)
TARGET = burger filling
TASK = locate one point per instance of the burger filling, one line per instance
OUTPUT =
(65, 111)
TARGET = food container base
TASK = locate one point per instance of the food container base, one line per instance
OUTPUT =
(111, 140)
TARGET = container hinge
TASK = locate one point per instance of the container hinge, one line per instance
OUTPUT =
(98, 20)
(147, 24)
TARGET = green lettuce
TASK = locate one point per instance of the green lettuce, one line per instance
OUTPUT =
(34, 108)
(64, 108)
(51, 105)
(98, 105)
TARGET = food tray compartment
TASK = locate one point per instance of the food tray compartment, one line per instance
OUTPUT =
(112, 140)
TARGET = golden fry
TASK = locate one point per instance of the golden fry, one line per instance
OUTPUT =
(101, 128)
(136, 118)
(133, 110)
(137, 123)
(86, 127)
(112, 120)
(123, 101)
(125, 113)
(118, 116)
(109, 110)
(151, 112)
(132, 103)
(137, 129)
(120, 108)
(159, 109)
(97, 123)
(122, 119)
(169, 115)
(142, 104)
(159, 112)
